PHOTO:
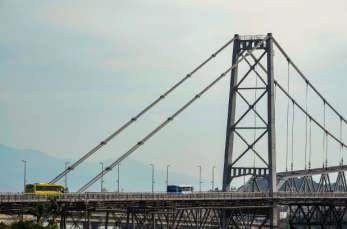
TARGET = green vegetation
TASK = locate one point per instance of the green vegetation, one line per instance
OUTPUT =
(45, 210)
(26, 225)
(42, 211)
(283, 223)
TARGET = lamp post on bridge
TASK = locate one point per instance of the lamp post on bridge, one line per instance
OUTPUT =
(102, 175)
(118, 178)
(200, 178)
(167, 175)
(213, 177)
(66, 177)
(152, 177)
(25, 173)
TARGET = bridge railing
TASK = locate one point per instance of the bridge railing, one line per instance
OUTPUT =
(252, 37)
(145, 196)
(135, 196)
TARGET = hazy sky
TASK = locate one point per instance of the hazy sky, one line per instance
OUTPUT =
(73, 72)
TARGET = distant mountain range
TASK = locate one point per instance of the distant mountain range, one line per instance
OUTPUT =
(134, 175)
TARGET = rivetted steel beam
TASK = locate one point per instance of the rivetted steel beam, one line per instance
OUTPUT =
(311, 172)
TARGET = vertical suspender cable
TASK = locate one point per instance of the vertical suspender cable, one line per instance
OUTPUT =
(275, 94)
(323, 133)
(302, 76)
(341, 144)
(292, 139)
(326, 150)
(306, 129)
(341, 147)
(309, 158)
(287, 122)
(315, 121)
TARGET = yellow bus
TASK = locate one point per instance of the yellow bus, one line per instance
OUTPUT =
(43, 188)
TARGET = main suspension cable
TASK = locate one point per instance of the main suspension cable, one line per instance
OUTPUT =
(307, 81)
(315, 121)
(140, 143)
(343, 145)
(70, 168)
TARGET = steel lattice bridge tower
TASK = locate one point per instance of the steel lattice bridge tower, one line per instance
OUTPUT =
(242, 47)
(309, 204)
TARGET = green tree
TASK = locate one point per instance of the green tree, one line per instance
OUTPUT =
(55, 209)
(4, 226)
(25, 225)
(40, 210)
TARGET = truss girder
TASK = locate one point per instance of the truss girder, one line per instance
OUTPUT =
(195, 218)
(307, 185)
(311, 172)
(323, 216)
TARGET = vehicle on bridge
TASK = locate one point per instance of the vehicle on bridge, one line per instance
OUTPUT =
(43, 188)
(180, 189)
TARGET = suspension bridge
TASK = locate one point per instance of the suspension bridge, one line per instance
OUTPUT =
(250, 151)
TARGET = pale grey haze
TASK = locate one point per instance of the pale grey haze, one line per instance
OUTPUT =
(134, 176)
(73, 72)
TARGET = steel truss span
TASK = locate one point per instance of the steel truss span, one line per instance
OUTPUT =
(202, 210)
(147, 210)
(329, 215)
(202, 217)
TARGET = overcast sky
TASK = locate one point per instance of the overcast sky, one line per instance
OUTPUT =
(73, 72)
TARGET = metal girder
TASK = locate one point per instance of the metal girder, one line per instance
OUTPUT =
(311, 172)
(307, 184)
(323, 216)
(340, 185)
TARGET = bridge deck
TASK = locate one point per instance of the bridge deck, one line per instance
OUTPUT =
(203, 196)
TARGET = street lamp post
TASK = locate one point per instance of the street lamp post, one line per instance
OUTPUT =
(118, 178)
(102, 174)
(200, 178)
(25, 173)
(152, 177)
(66, 176)
(213, 177)
(167, 175)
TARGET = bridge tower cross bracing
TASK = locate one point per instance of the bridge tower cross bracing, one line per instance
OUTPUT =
(241, 47)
